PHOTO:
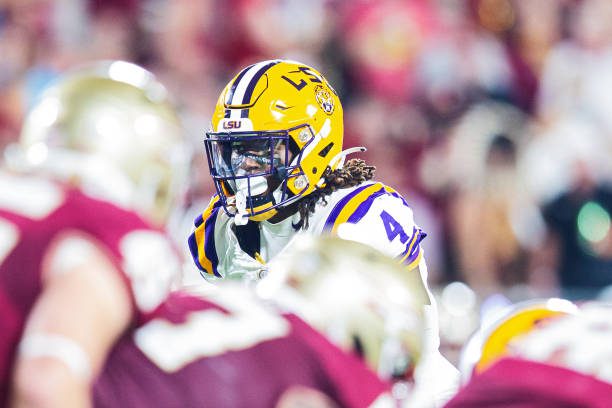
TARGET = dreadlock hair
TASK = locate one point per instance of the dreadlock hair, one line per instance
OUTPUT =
(354, 172)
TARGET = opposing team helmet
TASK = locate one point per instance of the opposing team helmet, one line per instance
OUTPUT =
(494, 340)
(110, 127)
(578, 341)
(276, 128)
(362, 300)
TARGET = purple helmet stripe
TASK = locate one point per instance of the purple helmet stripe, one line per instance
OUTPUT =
(248, 93)
(232, 90)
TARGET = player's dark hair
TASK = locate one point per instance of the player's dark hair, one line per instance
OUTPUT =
(354, 172)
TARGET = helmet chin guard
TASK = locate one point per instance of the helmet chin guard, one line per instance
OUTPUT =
(252, 171)
(254, 197)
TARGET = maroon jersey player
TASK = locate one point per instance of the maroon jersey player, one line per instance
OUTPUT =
(74, 274)
(227, 349)
(77, 273)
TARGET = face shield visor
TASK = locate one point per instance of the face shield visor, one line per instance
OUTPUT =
(252, 167)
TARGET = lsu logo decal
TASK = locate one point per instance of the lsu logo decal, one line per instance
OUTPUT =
(232, 124)
(325, 99)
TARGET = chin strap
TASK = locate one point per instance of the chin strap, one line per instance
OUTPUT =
(241, 217)
(341, 157)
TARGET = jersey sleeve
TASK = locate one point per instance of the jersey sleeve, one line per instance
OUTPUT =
(376, 215)
(202, 242)
(215, 248)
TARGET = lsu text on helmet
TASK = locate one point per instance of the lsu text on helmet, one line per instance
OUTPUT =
(276, 128)
(495, 338)
(110, 127)
(364, 301)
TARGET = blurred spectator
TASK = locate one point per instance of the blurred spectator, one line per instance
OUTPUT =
(570, 164)
(382, 41)
(486, 204)
(577, 75)
(15, 48)
(527, 31)
(491, 259)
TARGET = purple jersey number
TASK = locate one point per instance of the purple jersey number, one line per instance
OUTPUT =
(393, 228)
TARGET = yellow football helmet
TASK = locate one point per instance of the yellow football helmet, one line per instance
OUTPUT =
(494, 340)
(110, 127)
(276, 128)
(364, 301)
(577, 341)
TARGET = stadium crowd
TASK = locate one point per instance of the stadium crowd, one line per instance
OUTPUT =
(491, 118)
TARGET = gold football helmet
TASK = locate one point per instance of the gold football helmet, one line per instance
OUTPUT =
(276, 128)
(578, 341)
(364, 301)
(110, 127)
(494, 339)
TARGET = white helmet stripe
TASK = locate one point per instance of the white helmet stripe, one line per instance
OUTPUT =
(238, 96)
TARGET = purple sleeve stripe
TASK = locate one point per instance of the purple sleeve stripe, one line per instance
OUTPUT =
(410, 244)
(193, 248)
(214, 203)
(396, 195)
(209, 241)
(335, 212)
(413, 256)
(413, 247)
(364, 207)
(199, 220)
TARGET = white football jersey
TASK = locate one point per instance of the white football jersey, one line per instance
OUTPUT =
(371, 213)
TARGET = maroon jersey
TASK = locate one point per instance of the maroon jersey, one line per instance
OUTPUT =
(34, 212)
(230, 353)
(516, 383)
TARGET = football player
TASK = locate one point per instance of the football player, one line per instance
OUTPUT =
(493, 340)
(79, 261)
(230, 346)
(226, 349)
(276, 158)
(550, 354)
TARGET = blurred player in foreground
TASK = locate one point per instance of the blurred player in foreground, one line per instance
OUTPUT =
(231, 346)
(276, 157)
(365, 302)
(542, 354)
(75, 271)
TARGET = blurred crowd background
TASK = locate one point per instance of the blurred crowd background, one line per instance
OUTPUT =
(493, 118)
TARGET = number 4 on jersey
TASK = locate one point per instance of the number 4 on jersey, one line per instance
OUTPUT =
(393, 227)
